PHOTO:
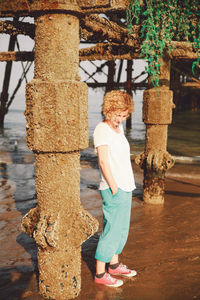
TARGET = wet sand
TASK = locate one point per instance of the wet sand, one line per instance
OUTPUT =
(163, 244)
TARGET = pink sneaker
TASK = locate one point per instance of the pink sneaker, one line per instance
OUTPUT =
(122, 270)
(108, 281)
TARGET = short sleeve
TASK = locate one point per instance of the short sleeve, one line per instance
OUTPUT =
(101, 135)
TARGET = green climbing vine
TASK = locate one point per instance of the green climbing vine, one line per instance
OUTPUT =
(162, 22)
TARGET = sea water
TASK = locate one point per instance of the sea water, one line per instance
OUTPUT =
(183, 133)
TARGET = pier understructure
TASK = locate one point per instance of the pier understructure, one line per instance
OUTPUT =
(57, 127)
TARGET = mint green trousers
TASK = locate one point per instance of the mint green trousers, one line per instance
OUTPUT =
(116, 223)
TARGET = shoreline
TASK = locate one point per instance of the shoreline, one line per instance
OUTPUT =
(89, 153)
(173, 226)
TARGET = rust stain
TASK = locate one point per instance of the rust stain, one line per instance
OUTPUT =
(47, 5)
(54, 5)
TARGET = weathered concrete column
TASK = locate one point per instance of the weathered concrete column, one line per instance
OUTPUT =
(57, 129)
(157, 114)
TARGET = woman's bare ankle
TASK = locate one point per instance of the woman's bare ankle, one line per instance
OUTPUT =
(100, 267)
(114, 260)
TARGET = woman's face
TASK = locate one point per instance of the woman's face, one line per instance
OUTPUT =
(116, 117)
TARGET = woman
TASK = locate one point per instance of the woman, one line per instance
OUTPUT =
(116, 186)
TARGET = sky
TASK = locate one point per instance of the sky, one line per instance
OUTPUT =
(27, 44)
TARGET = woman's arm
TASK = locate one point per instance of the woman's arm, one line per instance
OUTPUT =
(102, 152)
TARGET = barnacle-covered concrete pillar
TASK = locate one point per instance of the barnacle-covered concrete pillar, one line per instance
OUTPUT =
(57, 125)
(157, 114)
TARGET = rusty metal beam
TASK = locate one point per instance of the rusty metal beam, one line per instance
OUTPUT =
(17, 56)
(10, 8)
(14, 28)
(94, 27)
(129, 71)
(6, 82)
(139, 85)
(183, 51)
(108, 51)
(191, 84)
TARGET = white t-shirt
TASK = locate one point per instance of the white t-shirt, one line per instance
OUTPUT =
(118, 156)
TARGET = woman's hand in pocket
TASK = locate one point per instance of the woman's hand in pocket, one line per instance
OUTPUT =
(114, 189)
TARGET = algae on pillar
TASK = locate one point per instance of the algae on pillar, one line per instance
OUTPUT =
(157, 114)
(57, 129)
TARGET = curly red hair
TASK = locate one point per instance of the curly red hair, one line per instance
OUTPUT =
(117, 100)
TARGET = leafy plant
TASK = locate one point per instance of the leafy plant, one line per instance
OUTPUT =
(164, 21)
